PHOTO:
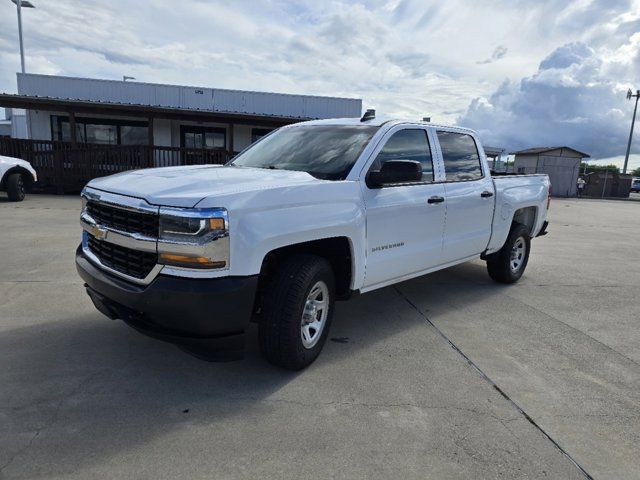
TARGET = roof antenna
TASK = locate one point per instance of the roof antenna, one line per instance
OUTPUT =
(370, 114)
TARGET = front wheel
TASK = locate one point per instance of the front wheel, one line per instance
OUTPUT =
(297, 311)
(508, 264)
(15, 187)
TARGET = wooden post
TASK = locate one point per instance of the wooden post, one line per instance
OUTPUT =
(151, 131)
(231, 140)
(73, 129)
(151, 142)
(58, 170)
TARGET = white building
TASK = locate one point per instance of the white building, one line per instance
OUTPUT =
(130, 113)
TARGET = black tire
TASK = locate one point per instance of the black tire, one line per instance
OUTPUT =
(499, 264)
(15, 187)
(284, 302)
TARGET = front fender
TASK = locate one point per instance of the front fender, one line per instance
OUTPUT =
(258, 234)
(263, 221)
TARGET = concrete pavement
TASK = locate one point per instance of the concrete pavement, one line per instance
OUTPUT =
(85, 397)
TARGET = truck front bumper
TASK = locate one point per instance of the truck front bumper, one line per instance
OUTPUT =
(207, 317)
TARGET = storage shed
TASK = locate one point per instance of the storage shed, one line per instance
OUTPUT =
(562, 164)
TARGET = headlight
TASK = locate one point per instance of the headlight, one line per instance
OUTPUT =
(194, 238)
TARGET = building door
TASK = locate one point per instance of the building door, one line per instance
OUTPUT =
(196, 137)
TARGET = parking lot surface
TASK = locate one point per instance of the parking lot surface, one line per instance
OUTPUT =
(446, 376)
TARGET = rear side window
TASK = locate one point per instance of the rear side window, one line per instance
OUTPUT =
(408, 144)
(460, 156)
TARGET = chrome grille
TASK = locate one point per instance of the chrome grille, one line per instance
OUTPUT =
(124, 260)
(124, 220)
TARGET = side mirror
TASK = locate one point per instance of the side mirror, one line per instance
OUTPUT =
(395, 171)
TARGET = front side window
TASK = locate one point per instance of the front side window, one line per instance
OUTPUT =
(460, 156)
(408, 144)
(324, 151)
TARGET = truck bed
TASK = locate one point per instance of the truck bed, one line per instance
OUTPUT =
(523, 196)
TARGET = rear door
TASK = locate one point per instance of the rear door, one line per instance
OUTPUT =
(404, 227)
(470, 197)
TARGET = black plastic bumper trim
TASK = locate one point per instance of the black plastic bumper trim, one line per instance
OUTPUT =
(543, 230)
(194, 313)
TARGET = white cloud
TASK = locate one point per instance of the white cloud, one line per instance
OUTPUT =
(576, 96)
(409, 58)
(497, 54)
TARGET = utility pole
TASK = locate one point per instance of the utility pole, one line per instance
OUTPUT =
(630, 95)
(19, 9)
(19, 5)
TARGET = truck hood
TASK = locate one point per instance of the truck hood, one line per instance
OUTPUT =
(186, 186)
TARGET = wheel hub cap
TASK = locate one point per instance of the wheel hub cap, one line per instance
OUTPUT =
(314, 314)
(518, 252)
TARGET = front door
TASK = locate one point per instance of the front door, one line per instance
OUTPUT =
(404, 230)
(470, 199)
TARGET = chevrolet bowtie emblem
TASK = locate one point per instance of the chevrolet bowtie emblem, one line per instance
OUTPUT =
(99, 232)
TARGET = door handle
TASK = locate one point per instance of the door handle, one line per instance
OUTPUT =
(486, 194)
(435, 199)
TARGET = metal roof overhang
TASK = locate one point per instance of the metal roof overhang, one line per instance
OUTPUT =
(132, 110)
(493, 151)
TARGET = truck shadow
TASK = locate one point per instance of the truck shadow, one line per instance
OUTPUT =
(90, 389)
(374, 317)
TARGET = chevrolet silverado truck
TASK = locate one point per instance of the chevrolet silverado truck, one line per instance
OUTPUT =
(16, 177)
(310, 214)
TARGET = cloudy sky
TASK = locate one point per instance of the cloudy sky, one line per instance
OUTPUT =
(522, 73)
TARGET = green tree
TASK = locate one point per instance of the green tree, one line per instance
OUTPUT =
(636, 172)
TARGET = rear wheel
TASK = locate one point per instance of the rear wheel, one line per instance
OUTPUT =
(508, 264)
(297, 311)
(15, 187)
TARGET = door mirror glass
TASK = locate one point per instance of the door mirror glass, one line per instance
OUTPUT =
(395, 171)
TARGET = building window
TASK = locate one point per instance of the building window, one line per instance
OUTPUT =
(134, 135)
(193, 136)
(258, 133)
(104, 134)
(101, 130)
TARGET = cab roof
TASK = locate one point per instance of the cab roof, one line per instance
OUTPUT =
(377, 122)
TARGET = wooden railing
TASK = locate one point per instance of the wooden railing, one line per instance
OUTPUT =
(63, 167)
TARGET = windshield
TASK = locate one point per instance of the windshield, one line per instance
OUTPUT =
(324, 151)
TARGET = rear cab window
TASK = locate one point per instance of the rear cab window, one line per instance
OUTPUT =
(460, 156)
(408, 144)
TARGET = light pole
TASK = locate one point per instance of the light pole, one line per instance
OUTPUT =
(630, 95)
(19, 5)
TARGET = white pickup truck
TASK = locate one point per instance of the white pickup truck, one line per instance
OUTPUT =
(309, 214)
